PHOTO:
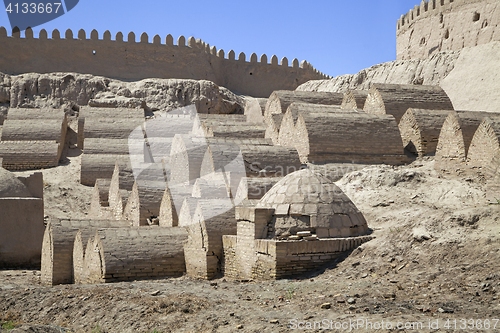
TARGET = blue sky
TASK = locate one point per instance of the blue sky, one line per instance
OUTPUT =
(336, 37)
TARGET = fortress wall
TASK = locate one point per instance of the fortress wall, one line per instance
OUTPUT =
(420, 130)
(442, 25)
(128, 59)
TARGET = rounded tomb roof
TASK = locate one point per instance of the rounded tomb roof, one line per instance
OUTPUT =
(308, 201)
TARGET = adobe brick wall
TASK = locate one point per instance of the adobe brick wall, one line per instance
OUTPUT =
(21, 235)
(253, 188)
(354, 99)
(273, 127)
(287, 134)
(280, 100)
(455, 138)
(29, 155)
(135, 253)
(109, 113)
(99, 203)
(96, 166)
(58, 244)
(420, 130)
(349, 137)
(395, 99)
(484, 148)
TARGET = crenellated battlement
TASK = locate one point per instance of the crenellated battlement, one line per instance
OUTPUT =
(429, 8)
(89, 50)
(446, 25)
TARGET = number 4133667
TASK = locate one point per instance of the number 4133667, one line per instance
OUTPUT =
(471, 324)
(33, 8)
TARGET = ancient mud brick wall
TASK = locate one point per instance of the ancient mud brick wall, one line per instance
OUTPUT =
(21, 222)
(101, 166)
(254, 110)
(273, 127)
(354, 99)
(57, 247)
(99, 204)
(349, 137)
(395, 99)
(280, 100)
(298, 257)
(455, 138)
(27, 155)
(41, 113)
(234, 130)
(127, 254)
(106, 146)
(444, 25)
(111, 58)
(420, 130)
(109, 113)
(287, 133)
(211, 220)
(484, 150)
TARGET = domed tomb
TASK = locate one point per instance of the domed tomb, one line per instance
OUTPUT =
(308, 201)
(11, 187)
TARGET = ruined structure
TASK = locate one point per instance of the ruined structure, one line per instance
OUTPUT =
(396, 99)
(348, 137)
(110, 58)
(304, 221)
(58, 244)
(21, 219)
(354, 99)
(441, 25)
(126, 254)
(455, 138)
(287, 130)
(279, 101)
(484, 149)
(420, 130)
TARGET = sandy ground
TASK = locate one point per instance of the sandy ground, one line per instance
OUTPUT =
(434, 262)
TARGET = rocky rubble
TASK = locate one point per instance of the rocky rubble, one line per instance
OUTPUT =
(429, 71)
(71, 90)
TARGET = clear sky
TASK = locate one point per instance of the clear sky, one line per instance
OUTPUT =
(336, 37)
